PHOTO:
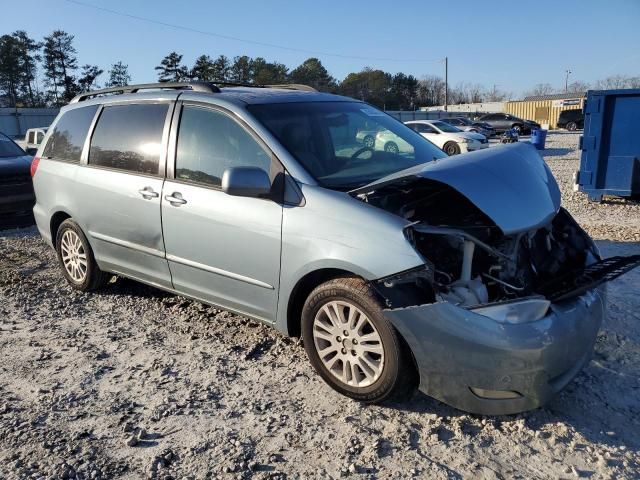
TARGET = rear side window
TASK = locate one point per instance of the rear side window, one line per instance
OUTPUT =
(67, 139)
(129, 137)
(209, 142)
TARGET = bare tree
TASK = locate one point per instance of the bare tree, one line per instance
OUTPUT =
(540, 89)
(430, 91)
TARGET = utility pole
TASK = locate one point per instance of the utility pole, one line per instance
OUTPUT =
(446, 83)
(566, 80)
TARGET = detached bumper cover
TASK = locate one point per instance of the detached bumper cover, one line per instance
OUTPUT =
(457, 350)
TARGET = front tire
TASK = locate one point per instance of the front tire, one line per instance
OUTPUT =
(451, 148)
(76, 259)
(391, 147)
(352, 346)
(518, 129)
(572, 126)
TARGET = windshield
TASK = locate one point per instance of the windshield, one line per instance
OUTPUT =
(464, 121)
(8, 148)
(445, 127)
(345, 145)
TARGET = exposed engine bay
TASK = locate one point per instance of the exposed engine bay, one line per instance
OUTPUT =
(469, 261)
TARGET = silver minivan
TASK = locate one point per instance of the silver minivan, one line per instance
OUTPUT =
(461, 275)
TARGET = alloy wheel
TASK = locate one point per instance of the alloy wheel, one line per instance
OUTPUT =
(74, 257)
(348, 344)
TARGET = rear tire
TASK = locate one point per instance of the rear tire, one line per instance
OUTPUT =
(451, 148)
(572, 126)
(368, 141)
(76, 258)
(518, 128)
(351, 344)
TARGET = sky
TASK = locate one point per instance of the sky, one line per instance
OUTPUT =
(512, 45)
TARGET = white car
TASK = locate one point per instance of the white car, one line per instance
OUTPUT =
(390, 142)
(32, 139)
(449, 138)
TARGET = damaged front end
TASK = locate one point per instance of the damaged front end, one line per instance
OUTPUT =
(490, 230)
(507, 305)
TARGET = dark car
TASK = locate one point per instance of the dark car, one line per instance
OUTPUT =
(470, 126)
(502, 122)
(16, 189)
(571, 119)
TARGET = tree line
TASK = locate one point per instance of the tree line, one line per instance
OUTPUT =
(47, 73)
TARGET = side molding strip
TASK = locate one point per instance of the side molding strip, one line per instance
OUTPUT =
(124, 243)
(218, 271)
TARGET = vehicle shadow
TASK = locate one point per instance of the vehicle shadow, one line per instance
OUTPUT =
(557, 152)
(9, 222)
(601, 403)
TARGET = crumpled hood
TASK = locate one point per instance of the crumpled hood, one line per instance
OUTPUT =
(510, 184)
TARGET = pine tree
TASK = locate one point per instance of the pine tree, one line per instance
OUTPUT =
(311, 72)
(59, 64)
(240, 70)
(87, 80)
(203, 69)
(171, 70)
(119, 75)
(29, 57)
(221, 68)
(10, 67)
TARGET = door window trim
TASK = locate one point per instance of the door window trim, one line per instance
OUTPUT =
(162, 162)
(172, 149)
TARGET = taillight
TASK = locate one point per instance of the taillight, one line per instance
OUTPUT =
(34, 165)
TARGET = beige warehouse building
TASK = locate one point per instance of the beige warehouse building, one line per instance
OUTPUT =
(545, 109)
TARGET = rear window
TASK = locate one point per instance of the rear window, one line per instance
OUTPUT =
(129, 137)
(67, 139)
(8, 148)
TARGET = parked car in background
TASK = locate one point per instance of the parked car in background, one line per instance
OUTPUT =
(467, 125)
(366, 137)
(32, 139)
(461, 275)
(16, 190)
(504, 121)
(572, 120)
(447, 137)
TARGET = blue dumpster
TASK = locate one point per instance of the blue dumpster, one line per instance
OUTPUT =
(610, 162)
(538, 137)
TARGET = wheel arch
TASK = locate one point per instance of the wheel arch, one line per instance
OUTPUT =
(301, 291)
(55, 222)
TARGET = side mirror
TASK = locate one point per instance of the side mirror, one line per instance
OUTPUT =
(31, 151)
(246, 182)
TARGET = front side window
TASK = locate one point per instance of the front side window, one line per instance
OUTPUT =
(39, 137)
(129, 137)
(68, 136)
(209, 142)
(327, 139)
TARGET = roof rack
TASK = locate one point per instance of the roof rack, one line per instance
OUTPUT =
(207, 87)
(196, 86)
(293, 86)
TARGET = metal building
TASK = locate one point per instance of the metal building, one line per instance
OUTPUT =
(545, 109)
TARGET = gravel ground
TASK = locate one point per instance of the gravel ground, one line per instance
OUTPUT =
(132, 382)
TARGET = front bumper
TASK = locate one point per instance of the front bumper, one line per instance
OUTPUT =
(472, 147)
(457, 350)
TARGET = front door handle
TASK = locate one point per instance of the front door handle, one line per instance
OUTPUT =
(148, 193)
(175, 199)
